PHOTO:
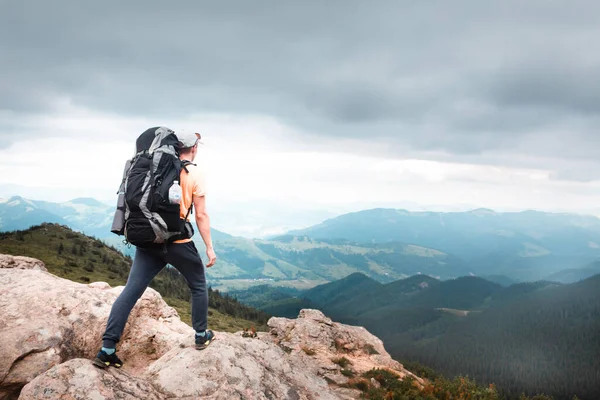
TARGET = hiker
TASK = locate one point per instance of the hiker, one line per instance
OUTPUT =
(181, 254)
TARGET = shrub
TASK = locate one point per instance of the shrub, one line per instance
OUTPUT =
(342, 362)
(370, 349)
(359, 383)
(391, 387)
(89, 266)
(348, 372)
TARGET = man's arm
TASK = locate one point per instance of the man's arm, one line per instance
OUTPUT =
(203, 223)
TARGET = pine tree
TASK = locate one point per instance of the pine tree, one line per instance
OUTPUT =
(61, 248)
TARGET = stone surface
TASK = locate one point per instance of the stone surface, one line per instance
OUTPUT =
(79, 379)
(234, 367)
(46, 320)
(20, 262)
(314, 336)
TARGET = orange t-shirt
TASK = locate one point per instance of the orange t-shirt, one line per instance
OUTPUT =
(192, 184)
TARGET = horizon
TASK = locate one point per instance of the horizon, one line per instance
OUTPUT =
(285, 227)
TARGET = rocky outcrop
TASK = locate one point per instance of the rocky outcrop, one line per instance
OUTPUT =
(332, 347)
(79, 379)
(234, 367)
(50, 329)
(46, 320)
(20, 262)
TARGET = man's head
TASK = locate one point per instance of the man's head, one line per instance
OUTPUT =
(188, 144)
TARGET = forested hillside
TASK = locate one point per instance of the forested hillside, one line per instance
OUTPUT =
(544, 341)
(538, 337)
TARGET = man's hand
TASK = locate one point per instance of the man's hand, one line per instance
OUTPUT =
(212, 257)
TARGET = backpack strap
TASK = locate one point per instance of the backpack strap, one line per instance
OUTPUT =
(189, 211)
(184, 164)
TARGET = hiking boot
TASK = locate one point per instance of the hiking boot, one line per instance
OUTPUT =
(202, 342)
(104, 360)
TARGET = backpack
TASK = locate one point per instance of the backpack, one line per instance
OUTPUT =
(148, 210)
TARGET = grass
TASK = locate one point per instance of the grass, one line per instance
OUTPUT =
(370, 349)
(342, 362)
(217, 320)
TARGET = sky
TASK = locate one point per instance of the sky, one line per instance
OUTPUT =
(309, 108)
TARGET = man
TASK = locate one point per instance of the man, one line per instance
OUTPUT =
(182, 254)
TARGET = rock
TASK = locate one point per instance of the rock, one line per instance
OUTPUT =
(375, 383)
(46, 320)
(327, 343)
(234, 367)
(79, 379)
(19, 262)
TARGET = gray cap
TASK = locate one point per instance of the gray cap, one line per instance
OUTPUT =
(187, 138)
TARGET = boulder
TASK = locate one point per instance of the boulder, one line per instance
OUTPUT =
(235, 367)
(79, 379)
(46, 320)
(333, 347)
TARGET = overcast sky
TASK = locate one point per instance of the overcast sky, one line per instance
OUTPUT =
(332, 105)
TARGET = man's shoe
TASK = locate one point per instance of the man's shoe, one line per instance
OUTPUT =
(104, 360)
(202, 342)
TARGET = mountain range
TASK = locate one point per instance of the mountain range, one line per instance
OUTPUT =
(524, 246)
(84, 214)
(384, 244)
(529, 337)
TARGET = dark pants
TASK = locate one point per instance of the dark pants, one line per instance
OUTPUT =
(146, 264)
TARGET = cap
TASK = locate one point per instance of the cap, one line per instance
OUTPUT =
(187, 138)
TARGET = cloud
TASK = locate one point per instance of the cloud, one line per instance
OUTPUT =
(509, 84)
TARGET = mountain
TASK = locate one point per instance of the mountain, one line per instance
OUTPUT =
(500, 279)
(83, 214)
(18, 213)
(80, 258)
(529, 337)
(525, 246)
(358, 298)
(543, 341)
(575, 274)
(279, 301)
